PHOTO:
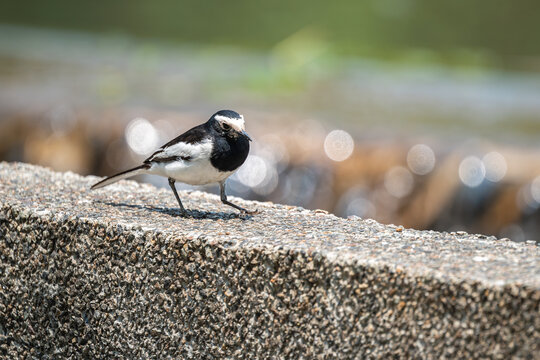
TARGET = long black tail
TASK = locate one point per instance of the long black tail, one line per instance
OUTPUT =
(124, 174)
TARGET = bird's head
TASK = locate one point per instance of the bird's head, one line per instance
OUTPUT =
(229, 123)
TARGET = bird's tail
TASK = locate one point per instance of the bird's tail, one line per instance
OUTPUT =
(124, 174)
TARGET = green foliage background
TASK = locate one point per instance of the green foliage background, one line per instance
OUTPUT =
(496, 33)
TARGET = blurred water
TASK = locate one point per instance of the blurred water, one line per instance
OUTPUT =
(84, 69)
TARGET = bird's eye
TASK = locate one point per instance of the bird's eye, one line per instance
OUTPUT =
(226, 126)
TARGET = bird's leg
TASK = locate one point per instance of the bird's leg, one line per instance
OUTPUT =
(227, 202)
(183, 211)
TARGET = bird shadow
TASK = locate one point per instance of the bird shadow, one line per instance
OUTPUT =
(194, 214)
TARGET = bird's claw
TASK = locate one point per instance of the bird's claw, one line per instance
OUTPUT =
(249, 212)
(184, 214)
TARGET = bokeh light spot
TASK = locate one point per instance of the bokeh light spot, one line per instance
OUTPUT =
(472, 171)
(421, 159)
(360, 207)
(141, 136)
(398, 181)
(299, 186)
(356, 202)
(338, 145)
(495, 165)
(269, 184)
(253, 172)
(535, 189)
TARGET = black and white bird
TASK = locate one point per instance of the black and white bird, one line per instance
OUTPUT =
(208, 153)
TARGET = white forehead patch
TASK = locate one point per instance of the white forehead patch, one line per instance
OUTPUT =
(235, 123)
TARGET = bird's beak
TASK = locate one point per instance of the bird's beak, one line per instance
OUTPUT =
(246, 135)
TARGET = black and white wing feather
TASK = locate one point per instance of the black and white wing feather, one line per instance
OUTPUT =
(189, 146)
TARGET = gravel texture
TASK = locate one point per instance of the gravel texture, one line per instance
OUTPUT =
(115, 273)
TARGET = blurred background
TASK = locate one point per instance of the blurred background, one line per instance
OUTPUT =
(415, 112)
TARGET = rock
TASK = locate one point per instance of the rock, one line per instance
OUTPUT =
(115, 273)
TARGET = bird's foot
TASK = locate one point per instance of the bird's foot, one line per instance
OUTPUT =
(249, 212)
(183, 213)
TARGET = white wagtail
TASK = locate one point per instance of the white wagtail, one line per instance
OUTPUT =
(208, 153)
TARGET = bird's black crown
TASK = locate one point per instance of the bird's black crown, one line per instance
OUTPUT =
(228, 113)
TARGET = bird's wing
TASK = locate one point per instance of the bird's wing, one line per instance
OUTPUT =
(192, 136)
(191, 145)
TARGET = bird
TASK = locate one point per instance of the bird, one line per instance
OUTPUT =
(206, 154)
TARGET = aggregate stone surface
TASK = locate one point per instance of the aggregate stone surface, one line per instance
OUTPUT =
(116, 273)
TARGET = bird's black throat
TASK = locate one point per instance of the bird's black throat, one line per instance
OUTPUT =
(229, 152)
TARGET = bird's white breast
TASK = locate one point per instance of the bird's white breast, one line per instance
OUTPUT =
(198, 170)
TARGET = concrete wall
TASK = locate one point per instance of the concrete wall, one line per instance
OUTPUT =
(115, 273)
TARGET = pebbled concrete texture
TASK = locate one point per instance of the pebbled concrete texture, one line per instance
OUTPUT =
(115, 273)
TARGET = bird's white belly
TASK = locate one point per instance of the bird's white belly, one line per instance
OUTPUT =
(198, 172)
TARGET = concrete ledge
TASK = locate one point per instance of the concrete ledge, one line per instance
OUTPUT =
(115, 274)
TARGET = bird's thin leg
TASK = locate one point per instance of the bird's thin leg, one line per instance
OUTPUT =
(183, 211)
(227, 202)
